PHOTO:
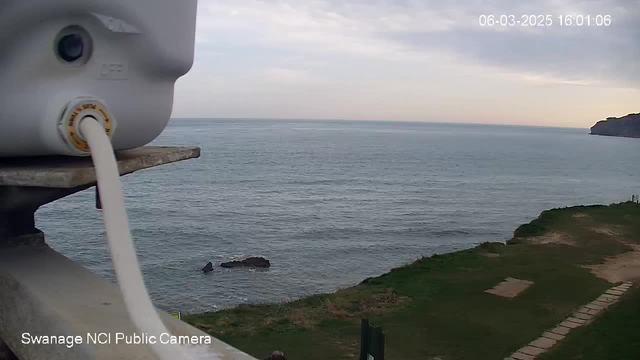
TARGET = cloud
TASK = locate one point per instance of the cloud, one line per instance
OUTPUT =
(407, 59)
(581, 55)
(422, 30)
(291, 77)
(312, 26)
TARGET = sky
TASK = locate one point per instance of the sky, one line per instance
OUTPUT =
(412, 60)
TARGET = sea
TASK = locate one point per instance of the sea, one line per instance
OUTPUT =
(331, 203)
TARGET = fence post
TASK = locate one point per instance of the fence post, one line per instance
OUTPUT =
(371, 341)
(378, 344)
(365, 339)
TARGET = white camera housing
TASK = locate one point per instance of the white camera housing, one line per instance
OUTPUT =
(117, 58)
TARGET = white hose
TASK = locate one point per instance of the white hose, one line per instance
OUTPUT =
(123, 254)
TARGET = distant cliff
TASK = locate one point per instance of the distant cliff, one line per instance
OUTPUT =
(627, 126)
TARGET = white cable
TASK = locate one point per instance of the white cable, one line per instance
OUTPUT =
(123, 254)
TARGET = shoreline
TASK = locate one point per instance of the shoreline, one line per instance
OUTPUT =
(428, 306)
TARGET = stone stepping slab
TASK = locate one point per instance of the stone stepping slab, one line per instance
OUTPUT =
(580, 317)
(510, 287)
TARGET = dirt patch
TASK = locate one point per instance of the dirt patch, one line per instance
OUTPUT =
(580, 215)
(382, 302)
(624, 267)
(510, 287)
(552, 238)
(301, 318)
(607, 230)
(204, 327)
(344, 308)
(489, 255)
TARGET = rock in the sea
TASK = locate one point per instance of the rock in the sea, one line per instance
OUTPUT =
(626, 126)
(248, 262)
(207, 268)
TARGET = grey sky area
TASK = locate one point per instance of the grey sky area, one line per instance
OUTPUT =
(414, 61)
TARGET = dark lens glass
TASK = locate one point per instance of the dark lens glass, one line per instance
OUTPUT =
(71, 47)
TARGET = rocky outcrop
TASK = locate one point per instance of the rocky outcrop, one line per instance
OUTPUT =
(254, 262)
(626, 126)
(208, 268)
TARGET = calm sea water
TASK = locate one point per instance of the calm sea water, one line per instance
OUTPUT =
(333, 202)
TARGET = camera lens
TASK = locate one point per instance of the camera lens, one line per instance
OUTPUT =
(71, 47)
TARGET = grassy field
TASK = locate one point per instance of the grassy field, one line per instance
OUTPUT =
(437, 307)
(615, 335)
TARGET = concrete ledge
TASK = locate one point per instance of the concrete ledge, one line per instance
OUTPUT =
(66, 172)
(44, 293)
(26, 240)
(5, 352)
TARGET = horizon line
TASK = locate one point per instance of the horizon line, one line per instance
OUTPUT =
(370, 120)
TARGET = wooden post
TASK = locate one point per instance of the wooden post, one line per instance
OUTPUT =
(377, 344)
(365, 339)
(371, 341)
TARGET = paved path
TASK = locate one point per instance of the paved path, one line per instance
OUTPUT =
(580, 317)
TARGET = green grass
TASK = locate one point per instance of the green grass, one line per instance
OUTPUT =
(436, 306)
(614, 335)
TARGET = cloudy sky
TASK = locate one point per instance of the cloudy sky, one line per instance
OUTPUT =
(412, 60)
